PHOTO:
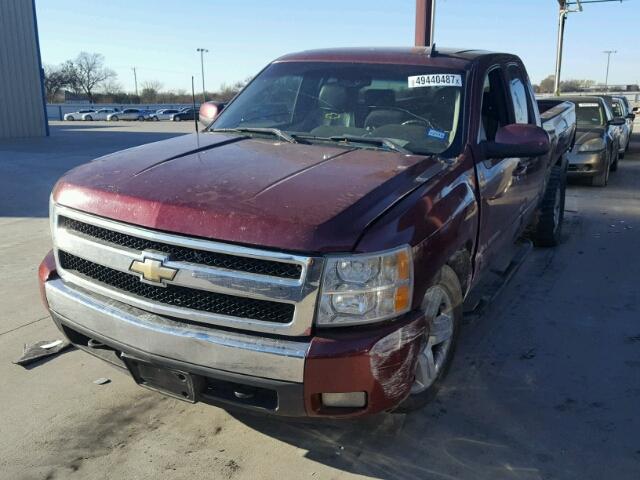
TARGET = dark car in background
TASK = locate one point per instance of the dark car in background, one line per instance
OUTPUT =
(185, 114)
(596, 150)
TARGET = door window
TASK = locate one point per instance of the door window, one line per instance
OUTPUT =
(494, 106)
(519, 97)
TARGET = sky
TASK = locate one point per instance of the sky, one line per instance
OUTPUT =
(160, 37)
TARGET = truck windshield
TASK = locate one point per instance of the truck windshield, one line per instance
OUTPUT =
(589, 114)
(414, 108)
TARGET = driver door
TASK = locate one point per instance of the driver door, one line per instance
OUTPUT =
(502, 194)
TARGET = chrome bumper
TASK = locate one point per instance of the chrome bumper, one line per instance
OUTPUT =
(156, 335)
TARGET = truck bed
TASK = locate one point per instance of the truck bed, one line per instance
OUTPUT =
(559, 120)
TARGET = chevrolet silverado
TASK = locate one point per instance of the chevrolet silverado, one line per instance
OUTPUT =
(308, 253)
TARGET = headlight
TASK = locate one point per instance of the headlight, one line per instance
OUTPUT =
(594, 145)
(367, 288)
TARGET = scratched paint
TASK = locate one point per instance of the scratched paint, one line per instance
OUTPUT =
(393, 359)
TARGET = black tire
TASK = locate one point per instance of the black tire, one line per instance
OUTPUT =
(70, 119)
(88, 118)
(177, 119)
(114, 118)
(614, 165)
(141, 119)
(548, 229)
(449, 282)
(602, 178)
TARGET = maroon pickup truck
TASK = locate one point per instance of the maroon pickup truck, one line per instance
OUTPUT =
(308, 253)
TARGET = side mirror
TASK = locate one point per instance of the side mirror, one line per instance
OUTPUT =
(517, 140)
(209, 111)
(617, 122)
(631, 116)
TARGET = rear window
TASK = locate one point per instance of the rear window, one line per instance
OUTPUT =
(416, 107)
(589, 114)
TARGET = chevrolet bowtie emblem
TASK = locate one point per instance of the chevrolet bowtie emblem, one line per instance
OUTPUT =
(152, 270)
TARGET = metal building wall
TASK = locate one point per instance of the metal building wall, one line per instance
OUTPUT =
(22, 106)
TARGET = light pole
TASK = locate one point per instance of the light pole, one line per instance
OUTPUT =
(202, 52)
(566, 7)
(135, 79)
(606, 79)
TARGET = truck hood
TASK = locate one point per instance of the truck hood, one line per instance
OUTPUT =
(312, 198)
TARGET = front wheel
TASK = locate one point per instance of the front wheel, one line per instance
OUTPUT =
(602, 178)
(114, 118)
(548, 230)
(442, 307)
(88, 118)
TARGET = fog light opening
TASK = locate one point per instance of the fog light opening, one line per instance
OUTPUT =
(344, 400)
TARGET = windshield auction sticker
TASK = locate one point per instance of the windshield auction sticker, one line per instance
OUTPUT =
(588, 105)
(435, 80)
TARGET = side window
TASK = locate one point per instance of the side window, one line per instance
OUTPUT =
(495, 113)
(519, 96)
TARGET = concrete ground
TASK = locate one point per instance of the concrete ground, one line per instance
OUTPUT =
(546, 384)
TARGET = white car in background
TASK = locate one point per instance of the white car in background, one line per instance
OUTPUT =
(77, 115)
(101, 114)
(128, 114)
(163, 114)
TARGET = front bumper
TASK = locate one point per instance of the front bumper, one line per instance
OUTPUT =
(587, 164)
(283, 376)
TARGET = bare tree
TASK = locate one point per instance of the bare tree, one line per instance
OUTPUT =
(55, 79)
(150, 91)
(111, 86)
(91, 72)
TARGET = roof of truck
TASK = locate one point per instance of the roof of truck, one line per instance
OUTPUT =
(390, 55)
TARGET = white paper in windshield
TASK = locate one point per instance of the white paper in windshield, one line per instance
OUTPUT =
(588, 105)
(435, 80)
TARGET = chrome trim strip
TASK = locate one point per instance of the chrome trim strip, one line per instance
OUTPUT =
(301, 292)
(232, 352)
(182, 241)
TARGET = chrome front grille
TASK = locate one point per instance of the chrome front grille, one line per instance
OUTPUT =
(215, 283)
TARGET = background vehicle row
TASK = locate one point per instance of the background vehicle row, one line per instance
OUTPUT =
(139, 114)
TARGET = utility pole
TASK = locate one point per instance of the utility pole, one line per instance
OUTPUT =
(566, 7)
(562, 18)
(425, 22)
(135, 79)
(202, 52)
(606, 80)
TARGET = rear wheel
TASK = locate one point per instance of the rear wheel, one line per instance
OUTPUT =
(141, 118)
(114, 118)
(88, 118)
(442, 307)
(548, 230)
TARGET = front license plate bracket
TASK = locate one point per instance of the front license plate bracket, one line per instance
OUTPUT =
(175, 383)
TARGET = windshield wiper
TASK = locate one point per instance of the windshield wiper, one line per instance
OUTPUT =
(269, 131)
(382, 142)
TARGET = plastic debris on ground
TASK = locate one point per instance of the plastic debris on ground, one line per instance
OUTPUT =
(32, 352)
